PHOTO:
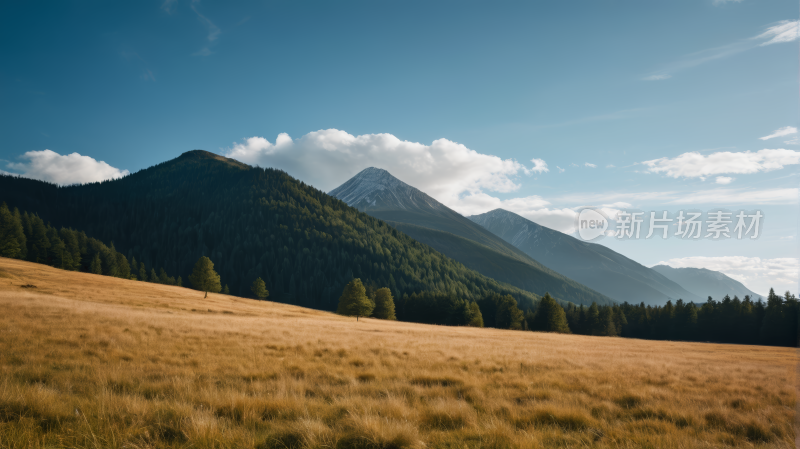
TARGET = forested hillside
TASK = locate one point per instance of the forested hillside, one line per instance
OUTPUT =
(252, 222)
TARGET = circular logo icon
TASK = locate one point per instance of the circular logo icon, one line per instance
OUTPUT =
(591, 224)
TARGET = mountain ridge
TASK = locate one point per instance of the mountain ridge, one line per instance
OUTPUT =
(592, 264)
(704, 282)
(378, 193)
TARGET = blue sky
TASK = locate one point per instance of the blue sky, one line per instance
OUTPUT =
(456, 98)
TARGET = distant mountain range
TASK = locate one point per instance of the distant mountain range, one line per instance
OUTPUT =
(593, 265)
(705, 283)
(381, 195)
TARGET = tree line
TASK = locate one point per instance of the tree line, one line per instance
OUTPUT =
(731, 320)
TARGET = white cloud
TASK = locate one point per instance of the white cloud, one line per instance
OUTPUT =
(657, 77)
(560, 170)
(791, 142)
(448, 171)
(757, 274)
(590, 165)
(539, 166)
(72, 168)
(610, 166)
(722, 2)
(204, 52)
(724, 180)
(780, 132)
(694, 165)
(783, 31)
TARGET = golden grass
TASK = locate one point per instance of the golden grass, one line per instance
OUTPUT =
(92, 361)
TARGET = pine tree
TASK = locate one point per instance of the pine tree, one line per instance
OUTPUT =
(153, 276)
(37, 240)
(384, 305)
(477, 318)
(96, 266)
(203, 277)
(550, 317)
(20, 233)
(508, 314)
(593, 326)
(259, 289)
(123, 269)
(179, 282)
(142, 272)
(10, 231)
(226, 290)
(134, 267)
(354, 300)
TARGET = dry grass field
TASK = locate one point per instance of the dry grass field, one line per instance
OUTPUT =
(92, 361)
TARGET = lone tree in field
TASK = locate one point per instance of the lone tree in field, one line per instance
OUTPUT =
(384, 305)
(204, 278)
(354, 300)
(550, 317)
(259, 289)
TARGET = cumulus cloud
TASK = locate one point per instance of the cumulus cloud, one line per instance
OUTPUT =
(780, 132)
(539, 166)
(72, 168)
(560, 170)
(695, 165)
(724, 180)
(757, 274)
(448, 171)
(590, 165)
(783, 31)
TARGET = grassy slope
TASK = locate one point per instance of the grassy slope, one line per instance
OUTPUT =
(92, 361)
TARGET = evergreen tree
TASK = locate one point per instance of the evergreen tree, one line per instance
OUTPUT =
(549, 317)
(96, 267)
(134, 268)
(225, 291)
(123, 269)
(508, 314)
(477, 318)
(142, 272)
(593, 323)
(384, 305)
(203, 277)
(259, 289)
(179, 282)
(12, 237)
(37, 240)
(354, 300)
(154, 276)
(773, 318)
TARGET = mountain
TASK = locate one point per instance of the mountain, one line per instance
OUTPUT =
(251, 222)
(381, 195)
(593, 265)
(705, 283)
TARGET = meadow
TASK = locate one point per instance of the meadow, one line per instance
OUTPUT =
(94, 361)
